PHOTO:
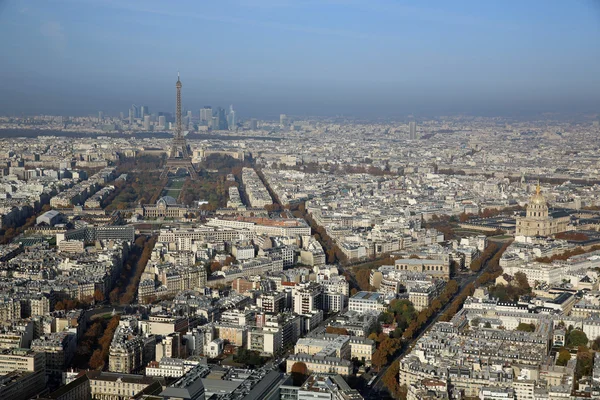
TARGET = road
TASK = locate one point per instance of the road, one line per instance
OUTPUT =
(374, 391)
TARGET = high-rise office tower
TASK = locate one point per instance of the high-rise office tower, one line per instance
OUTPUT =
(131, 116)
(253, 124)
(144, 111)
(122, 115)
(168, 116)
(136, 111)
(146, 122)
(412, 126)
(221, 119)
(189, 118)
(206, 114)
(231, 118)
(162, 122)
(282, 120)
(100, 116)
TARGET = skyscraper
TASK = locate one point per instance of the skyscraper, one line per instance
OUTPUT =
(146, 122)
(206, 115)
(131, 116)
(283, 120)
(221, 119)
(412, 126)
(231, 122)
(100, 116)
(136, 111)
(144, 111)
(162, 122)
(189, 119)
(253, 124)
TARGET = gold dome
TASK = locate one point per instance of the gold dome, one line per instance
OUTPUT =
(538, 198)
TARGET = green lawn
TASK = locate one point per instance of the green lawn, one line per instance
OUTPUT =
(173, 188)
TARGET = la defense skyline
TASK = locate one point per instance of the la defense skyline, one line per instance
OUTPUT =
(215, 119)
(388, 103)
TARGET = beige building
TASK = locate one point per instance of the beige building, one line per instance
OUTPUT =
(126, 352)
(9, 309)
(112, 386)
(333, 346)
(267, 340)
(236, 335)
(435, 268)
(22, 360)
(362, 349)
(59, 349)
(538, 221)
(166, 207)
(320, 364)
(421, 296)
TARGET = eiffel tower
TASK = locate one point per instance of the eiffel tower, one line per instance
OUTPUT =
(179, 153)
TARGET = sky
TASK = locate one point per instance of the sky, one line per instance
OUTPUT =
(362, 58)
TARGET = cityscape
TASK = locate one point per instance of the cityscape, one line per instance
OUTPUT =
(185, 251)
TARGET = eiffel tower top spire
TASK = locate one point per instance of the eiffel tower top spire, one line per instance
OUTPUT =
(178, 85)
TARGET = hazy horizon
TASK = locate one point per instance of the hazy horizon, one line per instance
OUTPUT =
(356, 58)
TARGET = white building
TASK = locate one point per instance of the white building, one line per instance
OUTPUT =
(363, 302)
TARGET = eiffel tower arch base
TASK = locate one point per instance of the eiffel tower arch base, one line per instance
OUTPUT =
(174, 165)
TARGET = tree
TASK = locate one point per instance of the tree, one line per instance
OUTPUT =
(596, 344)
(299, 373)
(336, 330)
(390, 380)
(362, 278)
(215, 266)
(379, 359)
(228, 260)
(487, 325)
(577, 338)
(390, 345)
(522, 281)
(97, 361)
(249, 357)
(526, 327)
(386, 318)
(585, 361)
(98, 295)
(113, 296)
(563, 357)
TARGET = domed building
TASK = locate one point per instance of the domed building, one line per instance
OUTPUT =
(538, 220)
(166, 207)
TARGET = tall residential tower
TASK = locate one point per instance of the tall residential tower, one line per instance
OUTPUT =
(412, 126)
